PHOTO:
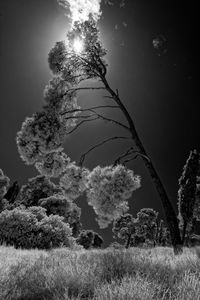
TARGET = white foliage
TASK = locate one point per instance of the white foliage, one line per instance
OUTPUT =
(59, 95)
(43, 133)
(74, 180)
(108, 190)
(53, 164)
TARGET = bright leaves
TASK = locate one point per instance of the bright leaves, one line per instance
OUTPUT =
(74, 180)
(108, 191)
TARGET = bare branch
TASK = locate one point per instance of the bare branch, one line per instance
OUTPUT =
(84, 88)
(107, 119)
(113, 121)
(128, 152)
(130, 159)
(109, 97)
(82, 158)
(79, 124)
(137, 154)
(88, 109)
(79, 117)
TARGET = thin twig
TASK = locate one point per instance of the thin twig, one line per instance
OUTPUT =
(79, 117)
(113, 121)
(130, 159)
(82, 158)
(108, 119)
(138, 154)
(128, 152)
(84, 88)
(88, 109)
(79, 124)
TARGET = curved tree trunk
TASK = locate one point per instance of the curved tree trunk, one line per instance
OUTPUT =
(170, 215)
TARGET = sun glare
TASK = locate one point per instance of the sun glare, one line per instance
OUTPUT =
(78, 46)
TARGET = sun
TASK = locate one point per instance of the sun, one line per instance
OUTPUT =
(78, 45)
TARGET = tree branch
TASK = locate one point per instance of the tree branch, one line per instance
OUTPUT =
(84, 88)
(113, 121)
(79, 117)
(79, 124)
(82, 158)
(106, 119)
(137, 154)
(88, 109)
(128, 152)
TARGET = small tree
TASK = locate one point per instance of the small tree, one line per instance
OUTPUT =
(89, 239)
(147, 224)
(187, 191)
(135, 231)
(124, 228)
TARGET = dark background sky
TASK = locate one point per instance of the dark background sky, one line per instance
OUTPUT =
(160, 92)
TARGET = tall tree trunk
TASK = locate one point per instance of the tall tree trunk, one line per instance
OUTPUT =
(170, 215)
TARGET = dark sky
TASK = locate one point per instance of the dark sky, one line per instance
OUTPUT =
(160, 92)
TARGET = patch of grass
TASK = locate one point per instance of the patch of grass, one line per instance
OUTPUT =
(63, 274)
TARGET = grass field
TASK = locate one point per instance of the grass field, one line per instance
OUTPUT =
(62, 274)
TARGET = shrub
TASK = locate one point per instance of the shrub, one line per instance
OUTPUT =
(32, 228)
(89, 239)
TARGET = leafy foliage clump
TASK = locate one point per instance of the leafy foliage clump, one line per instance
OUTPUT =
(64, 61)
(53, 164)
(32, 228)
(37, 188)
(64, 207)
(40, 134)
(74, 180)
(108, 190)
(145, 229)
(89, 239)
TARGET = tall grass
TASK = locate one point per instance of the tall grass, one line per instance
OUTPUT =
(107, 274)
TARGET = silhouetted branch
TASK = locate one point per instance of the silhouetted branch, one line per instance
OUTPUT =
(138, 154)
(105, 119)
(82, 158)
(82, 122)
(128, 152)
(113, 121)
(89, 109)
(79, 117)
(84, 88)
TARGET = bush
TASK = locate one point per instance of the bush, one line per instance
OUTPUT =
(89, 239)
(32, 228)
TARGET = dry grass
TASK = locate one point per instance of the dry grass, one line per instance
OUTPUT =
(63, 274)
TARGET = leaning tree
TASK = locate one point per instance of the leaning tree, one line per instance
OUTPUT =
(81, 57)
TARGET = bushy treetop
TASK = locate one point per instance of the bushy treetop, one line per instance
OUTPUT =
(108, 191)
